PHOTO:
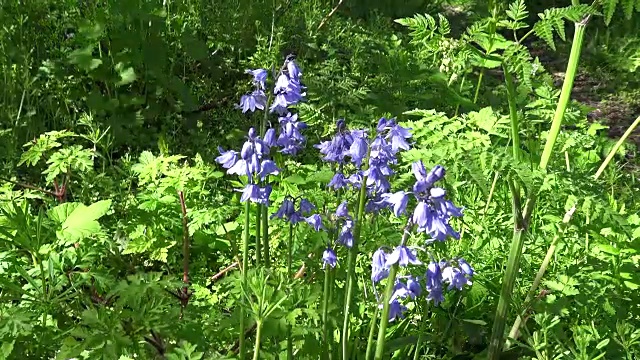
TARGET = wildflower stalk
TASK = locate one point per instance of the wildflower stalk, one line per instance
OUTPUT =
(522, 218)
(265, 236)
(515, 329)
(258, 234)
(289, 270)
(372, 332)
(256, 348)
(513, 112)
(351, 266)
(325, 311)
(384, 317)
(615, 148)
(245, 256)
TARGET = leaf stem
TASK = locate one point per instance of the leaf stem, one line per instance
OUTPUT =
(245, 256)
(351, 266)
(384, 317)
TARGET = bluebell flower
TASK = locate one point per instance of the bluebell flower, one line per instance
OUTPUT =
(346, 234)
(293, 69)
(455, 277)
(465, 267)
(259, 77)
(338, 181)
(306, 206)
(285, 210)
(359, 147)
(329, 258)
(414, 286)
(442, 205)
(291, 139)
(251, 192)
(434, 283)
(240, 168)
(402, 256)
(379, 269)
(397, 136)
(400, 291)
(227, 158)
(268, 167)
(270, 137)
(256, 100)
(396, 310)
(315, 221)
(342, 210)
(288, 90)
(398, 201)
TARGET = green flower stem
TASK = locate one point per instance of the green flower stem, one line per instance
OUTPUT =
(522, 219)
(565, 94)
(372, 333)
(256, 348)
(245, 256)
(258, 235)
(475, 95)
(384, 317)
(265, 236)
(513, 112)
(515, 329)
(290, 251)
(325, 312)
(289, 276)
(417, 350)
(615, 148)
(351, 267)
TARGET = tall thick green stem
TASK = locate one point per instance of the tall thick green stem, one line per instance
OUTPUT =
(384, 317)
(290, 277)
(265, 236)
(565, 94)
(372, 333)
(513, 113)
(515, 329)
(258, 234)
(522, 219)
(351, 268)
(325, 313)
(245, 262)
(256, 348)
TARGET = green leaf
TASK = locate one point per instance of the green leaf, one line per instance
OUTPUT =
(295, 179)
(127, 74)
(475, 322)
(77, 220)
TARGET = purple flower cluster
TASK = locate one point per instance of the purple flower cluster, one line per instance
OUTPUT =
(288, 89)
(355, 145)
(433, 210)
(288, 212)
(253, 163)
(253, 160)
(455, 274)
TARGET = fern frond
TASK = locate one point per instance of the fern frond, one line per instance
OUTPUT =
(517, 11)
(423, 27)
(608, 7)
(553, 19)
(444, 28)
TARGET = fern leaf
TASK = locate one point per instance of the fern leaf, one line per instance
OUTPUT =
(544, 30)
(517, 11)
(444, 28)
(627, 7)
(609, 7)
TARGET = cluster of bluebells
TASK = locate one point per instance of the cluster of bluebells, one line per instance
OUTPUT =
(343, 223)
(253, 160)
(353, 146)
(431, 215)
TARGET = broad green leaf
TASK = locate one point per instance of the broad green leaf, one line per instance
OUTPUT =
(78, 221)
